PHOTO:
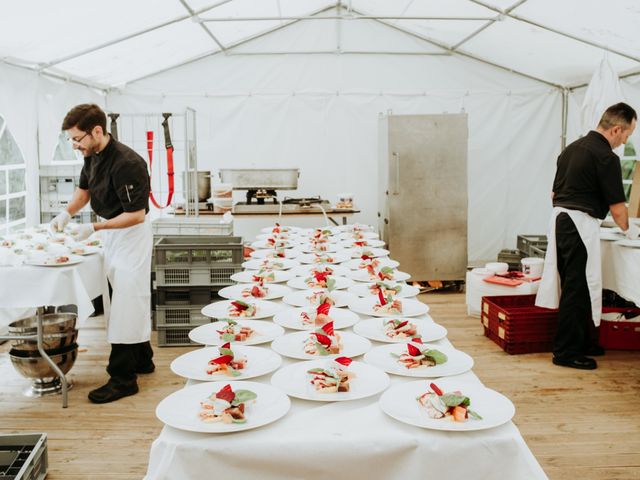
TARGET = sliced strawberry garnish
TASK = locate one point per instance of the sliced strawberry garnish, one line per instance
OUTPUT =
(221, 360)
(381, 297)
(436, 390)
(346, 361)
(226, 394)
(402, 324)
(413, 350)
(226, 345)
(239, 306)
(255, 291)
(380, 275)
(324, 309)
(360, 244)
(417, 339)
(321, 276)
(328, 328)
(365, 257)
(323, 339)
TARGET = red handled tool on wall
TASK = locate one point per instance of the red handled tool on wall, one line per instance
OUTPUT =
(169, 147)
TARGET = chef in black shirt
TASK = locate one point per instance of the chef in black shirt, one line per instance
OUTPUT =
(115, 180)
(587, 185)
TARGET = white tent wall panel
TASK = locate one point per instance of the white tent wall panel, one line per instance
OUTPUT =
(320, 113)
(34, 107)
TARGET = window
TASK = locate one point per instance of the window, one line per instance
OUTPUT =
(64, 153)
(13, 186)
(628, 162)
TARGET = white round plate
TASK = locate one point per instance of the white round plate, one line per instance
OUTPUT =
(290, 318)
(262, 244)
(180, 409)
(363, 275)
(361, 236)
(410, 308)
(363, 227)
(300, 298)
(247, 276)
(281, 236)
(384, 262)
(263, 332)
(373, 329)
(629, 243)
(363, 290)
(44, 260)
(260, 361)
(400, 402)
(257, 264)
(234, 292)
(292, 345)
(306, 247)
(323, 258)
(372, 252)
(271, 253)
(283, 228)
(83, 250)
(295, 381)
(305, 270)
(369, 243)
(265, 309)
(299, 283)
(457, 362)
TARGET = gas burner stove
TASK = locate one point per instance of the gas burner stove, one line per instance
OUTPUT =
(304, 202)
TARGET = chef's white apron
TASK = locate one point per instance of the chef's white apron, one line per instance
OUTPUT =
(127, 261)
(589, 231)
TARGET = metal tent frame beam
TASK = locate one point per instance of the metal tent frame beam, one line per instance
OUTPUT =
(130, 36)
(335, 17)
(193, 14)
(553, 30)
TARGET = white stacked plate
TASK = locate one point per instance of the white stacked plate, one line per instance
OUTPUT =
(292, 345)
(234, 292)
(300, 298)
(294, 381)
(180, 409)
(381, 357)
(263, 244)
(359, 236)
(258, 264)
(290, 318)
(263, 332)
(373, 329)
(369, 243)
(194, 364)
(299, 282)
(364, 290)
(370, 252)
(410, 308)
(362, 275)
(399, 402)
(271, 253)
(264, 309)
(247, 276)
(326, 248)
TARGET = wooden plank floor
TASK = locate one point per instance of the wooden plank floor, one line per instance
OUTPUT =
(578, 424)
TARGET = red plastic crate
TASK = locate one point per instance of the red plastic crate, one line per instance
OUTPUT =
(517, 325)
(620, 335)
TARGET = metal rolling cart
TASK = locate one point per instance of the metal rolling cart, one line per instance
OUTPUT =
(39, 337)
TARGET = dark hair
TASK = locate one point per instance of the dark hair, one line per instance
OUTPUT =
(85, 117)
(618, 114)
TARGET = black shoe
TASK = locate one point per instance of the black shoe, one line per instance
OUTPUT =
(594, 351)
(582, 363)
(113, 390)
(150, 368)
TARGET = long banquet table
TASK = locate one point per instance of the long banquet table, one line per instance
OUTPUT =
(621, 270)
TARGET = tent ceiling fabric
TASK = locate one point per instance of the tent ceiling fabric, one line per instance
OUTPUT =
(118, 42)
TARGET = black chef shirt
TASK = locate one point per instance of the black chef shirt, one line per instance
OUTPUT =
(117, 180)
(588, 177)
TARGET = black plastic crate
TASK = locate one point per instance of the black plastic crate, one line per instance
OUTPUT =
(512, 257)
(23, 456)
(185, 296)
(174, 336)
(539, 252)
(527, 242)
(206, 275)
(202, 250)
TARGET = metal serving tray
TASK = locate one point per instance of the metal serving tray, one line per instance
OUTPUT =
(261, 178)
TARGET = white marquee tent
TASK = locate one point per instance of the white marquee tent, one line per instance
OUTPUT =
(300, 83)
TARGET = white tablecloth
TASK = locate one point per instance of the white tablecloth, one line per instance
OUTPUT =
(621, 270)
(476, 288)
(25, 287)
(354, 439)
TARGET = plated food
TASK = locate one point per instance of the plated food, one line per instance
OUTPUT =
(317, 280)
(244, 291)
(437, 404)
(327, 380)
(243, 332)
(311, 268)
(396, 289)
(400, 329)
(307, 318)
(262, 276)
(275, 253)
(270, 264)
(54, 260)
(385, 274)
(298, 344)
(323, 258)
(376, 263)
(250, 309)
(313, 298)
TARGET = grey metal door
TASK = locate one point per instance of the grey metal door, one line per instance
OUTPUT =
(424, 216)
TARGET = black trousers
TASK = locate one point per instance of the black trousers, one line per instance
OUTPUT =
(575, 327)
(126, 359)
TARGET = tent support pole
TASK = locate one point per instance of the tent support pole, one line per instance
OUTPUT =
(565, 115)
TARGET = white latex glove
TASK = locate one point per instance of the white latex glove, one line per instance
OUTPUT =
(59, 222)
(83, 231)
(633, 232)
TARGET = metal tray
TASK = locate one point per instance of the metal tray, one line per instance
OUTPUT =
(261, 178)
